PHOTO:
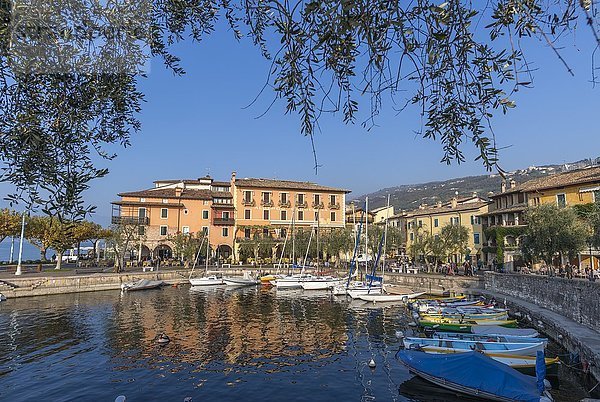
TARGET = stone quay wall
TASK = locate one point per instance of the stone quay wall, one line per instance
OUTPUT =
(576, 299)
(435, 284)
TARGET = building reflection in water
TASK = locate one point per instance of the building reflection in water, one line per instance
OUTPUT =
(218, 329)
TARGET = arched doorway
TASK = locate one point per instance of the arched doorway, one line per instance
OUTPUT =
(224, 252)
(163, 252)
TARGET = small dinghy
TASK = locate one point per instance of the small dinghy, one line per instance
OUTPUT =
(488, 338)
(475, 374)
(142, 284)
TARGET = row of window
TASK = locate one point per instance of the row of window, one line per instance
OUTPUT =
(283, 215)
(475, 220)
(266, 197)
(184, 230)
(476, 237)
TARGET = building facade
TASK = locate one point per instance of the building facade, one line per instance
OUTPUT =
(229, 212)
(459, 211)
(507, 211)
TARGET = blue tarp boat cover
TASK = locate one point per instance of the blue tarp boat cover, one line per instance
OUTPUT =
(497, 330)
(475, 371)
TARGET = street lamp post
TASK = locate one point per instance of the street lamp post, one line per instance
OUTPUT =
(19, 272)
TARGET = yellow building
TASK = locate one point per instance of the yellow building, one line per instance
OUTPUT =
(565, 189)
(226, 210)
(463, 211)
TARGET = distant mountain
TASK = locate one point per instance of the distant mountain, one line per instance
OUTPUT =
(410, 196)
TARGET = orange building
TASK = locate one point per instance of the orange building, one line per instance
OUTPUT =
(226, 210)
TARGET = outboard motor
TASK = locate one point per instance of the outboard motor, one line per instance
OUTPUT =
(429, 332)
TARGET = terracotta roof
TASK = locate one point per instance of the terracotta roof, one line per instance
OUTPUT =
(446, 209)
(148, 204)
(221, 183)
(285, 184)
(581, 176)
(187, 194)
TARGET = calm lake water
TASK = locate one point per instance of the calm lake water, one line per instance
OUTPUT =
(226, 345)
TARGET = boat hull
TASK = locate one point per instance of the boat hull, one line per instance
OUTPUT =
(320, 285)
(205, 281)
(383, 298)
(240, 282)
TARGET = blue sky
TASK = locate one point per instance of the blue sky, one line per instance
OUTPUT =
(200, 123)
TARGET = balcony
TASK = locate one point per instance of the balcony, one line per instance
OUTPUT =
(248, 203)
(301, 204)
(222, 205)
(334, 206)
(130, 220)
(318, 205)
(286, 204)
(266, 203)
(223, 221)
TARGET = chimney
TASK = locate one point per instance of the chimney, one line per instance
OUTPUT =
(178, 191)
(438, 204)
(503, 186)
(513, 183)
(474, 194)
(454, 202)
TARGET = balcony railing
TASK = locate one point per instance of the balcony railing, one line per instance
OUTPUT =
(318, 205)
(266, 203)
(223, 221)
(130, 220)
(334, 206)
(301, 204)
(286, 204)
(248, 203)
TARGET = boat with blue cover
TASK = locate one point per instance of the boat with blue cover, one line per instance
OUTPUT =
(475, 374)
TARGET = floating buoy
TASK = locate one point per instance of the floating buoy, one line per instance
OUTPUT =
(120, 398)
(372, 363)
(560, 336)
(163, 339)
(412, 324)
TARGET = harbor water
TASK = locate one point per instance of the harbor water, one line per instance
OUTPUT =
(251, 344)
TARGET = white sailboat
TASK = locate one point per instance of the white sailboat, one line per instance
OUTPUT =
(206, 280)
(240, 281)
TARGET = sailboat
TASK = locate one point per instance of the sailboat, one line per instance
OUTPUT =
(206, 280)
(294, 281)
(320, 282)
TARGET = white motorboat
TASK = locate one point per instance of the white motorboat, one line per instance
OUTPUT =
(142, 284)
(364, 289)
(240, 281)
(290, 282)
(211, 280)
(321, 283)
(387, 298)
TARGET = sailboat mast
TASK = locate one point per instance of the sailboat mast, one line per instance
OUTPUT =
(366, 234)
(294, 235)
(385, 231)
(207, 248)
(318, 219)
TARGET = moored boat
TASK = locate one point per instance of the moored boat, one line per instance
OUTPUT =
(487, 338)
(467, 316)
(386, 298)
(498, 330)
(211, 280)
(474, 374)
(240, 281)
(142, 284)
(467, 326)
(321, 283)
(434, 345)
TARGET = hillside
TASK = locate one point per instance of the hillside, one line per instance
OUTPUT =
(409, 196)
